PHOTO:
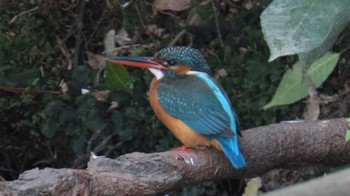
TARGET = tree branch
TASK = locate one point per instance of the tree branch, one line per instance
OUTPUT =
(334, 184)
(282, 145)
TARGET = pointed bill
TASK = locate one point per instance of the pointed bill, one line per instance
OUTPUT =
(142, 62)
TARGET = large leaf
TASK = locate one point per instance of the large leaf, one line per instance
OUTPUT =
(173, 5)
(293, 88)
(305, 27)
(118, 78)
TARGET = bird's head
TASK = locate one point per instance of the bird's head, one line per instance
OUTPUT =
(170, 61)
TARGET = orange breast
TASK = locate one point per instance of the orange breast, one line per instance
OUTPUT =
(182, 132)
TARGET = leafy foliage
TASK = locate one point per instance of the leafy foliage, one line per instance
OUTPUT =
(294, 86)
(301, 27)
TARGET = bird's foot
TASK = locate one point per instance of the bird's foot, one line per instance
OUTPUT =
(181, 148)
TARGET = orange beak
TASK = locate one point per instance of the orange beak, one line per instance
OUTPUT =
(143, 62)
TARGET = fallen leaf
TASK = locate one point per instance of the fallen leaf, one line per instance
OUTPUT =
(101, 95)
(173, 5)
(155, 30)
(242, 50)
(96, 61)
(122, 37)
(220, 73)
(248, 4)
(64, 87)
(109, 42)
(113, 105)
(312, 111)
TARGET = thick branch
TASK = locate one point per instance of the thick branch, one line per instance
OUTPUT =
(275, 146)
(333, 184)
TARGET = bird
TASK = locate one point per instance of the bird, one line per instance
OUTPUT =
(189, 101)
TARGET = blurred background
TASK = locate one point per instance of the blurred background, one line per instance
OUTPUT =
(57, 105)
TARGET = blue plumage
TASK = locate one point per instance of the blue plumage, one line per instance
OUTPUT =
(185, 91)
(184, 55)
(231, 149)
(197, 107)
(199, 101)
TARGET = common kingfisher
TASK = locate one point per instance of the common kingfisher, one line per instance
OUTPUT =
(188, 101)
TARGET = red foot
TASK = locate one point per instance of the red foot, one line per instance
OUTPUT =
(181, 148)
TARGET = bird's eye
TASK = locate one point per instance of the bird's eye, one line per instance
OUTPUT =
(171, 62)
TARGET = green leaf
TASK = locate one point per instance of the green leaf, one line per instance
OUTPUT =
(308, 28)
(252, 187)
(49, 128)
(347, 135)
(118, 78)
(293, 88)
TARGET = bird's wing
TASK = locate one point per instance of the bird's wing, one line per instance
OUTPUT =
(199, 102)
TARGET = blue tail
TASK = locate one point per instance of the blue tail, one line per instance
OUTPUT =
(231, 150)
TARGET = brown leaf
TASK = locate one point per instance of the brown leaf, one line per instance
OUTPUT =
(109, 42)
(64, 87)
(101, 95)
(113, 105)
(122, 37)
(220, 73)
(173, 5)
(243, 50)
(248, 4)
(155, 30)
(312, 111)
(96, 61)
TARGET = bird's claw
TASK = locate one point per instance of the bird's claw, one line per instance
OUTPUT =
(181, 148)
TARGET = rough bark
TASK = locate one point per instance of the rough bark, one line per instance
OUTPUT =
(282, 145)
(334, 184)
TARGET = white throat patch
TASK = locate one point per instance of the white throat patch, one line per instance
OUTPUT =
(157, 73)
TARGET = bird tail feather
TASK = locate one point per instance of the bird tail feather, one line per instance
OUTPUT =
(231, 150)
